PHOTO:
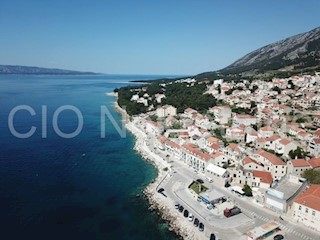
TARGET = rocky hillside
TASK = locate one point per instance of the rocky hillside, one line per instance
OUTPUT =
(9, 69)
(299, 52)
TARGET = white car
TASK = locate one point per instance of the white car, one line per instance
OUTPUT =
(209, 180)
(190, 217)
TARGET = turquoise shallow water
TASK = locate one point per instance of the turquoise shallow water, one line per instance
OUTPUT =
(48, 190)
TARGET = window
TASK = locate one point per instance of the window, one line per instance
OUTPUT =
(307, 210)
(313, 213)
(276, 171)
(299, 207)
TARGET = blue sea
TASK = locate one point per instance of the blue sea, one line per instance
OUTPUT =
(84, 187)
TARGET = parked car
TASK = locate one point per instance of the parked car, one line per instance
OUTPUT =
(209, 206)
(200, 181)
(196, 222)
(231, 212)
(209, 180)
(201, 227)
(190, 217)
(181, 208)
(186, 213)
(278, 237)
(176, 205)
(212, 236)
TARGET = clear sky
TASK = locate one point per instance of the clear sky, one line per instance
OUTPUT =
(148, 36)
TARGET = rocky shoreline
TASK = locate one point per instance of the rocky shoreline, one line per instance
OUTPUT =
(164, 207)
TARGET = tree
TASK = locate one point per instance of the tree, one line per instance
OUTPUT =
(312, 176)
(277, 89)
(219, 88)
(298, 153)
(176, 125)
(290, 84)
(247, 190)
(154, 118)
(254, 88)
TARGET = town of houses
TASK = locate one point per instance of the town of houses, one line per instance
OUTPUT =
(253, 148)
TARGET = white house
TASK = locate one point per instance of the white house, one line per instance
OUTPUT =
(306, 207)
(222, 114)
(298, 166)
(284, 146)
(266, 132)
(235, 133)
(218, 174)
(194, 157)
(219, 159)
(265, 178)
(244, 119)
(166, 110)
(153, 127)
(271, 163)
(251, 136)
(314, 147)
(250, 164)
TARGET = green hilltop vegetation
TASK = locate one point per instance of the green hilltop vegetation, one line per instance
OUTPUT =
(178, 94)
(299, 54)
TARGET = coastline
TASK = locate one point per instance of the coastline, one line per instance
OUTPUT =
(163, 206)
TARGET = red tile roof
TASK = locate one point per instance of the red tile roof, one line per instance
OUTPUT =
(270, 157)
(310, 197)
(314, 162)
(317, 133)
(215, 146)
(212, 140)
(273, 138)
(266, 129)
(265, 177)
(233, 147)
(300, 163)
(197, 152)
(285, 141)
(316, 140)
(248, 160)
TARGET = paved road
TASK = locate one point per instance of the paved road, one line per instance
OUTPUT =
(225, 228)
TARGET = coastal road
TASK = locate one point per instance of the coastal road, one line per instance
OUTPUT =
(254, 215)
(257, 214)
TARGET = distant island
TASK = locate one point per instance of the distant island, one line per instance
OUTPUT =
(16, 69)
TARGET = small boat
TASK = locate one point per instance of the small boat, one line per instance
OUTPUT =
(83, 154)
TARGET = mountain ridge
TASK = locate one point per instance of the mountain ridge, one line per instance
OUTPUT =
(18, 69)
(282, 53)
(289, 56)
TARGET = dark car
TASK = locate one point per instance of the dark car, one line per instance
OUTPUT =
(278, 237)
(196, 222)
(181, 208)
(201, 227)
(212, 236)
(161, 191)
(200, 181)
(186, 213)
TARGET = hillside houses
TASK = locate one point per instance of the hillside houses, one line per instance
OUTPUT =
(235, 145)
